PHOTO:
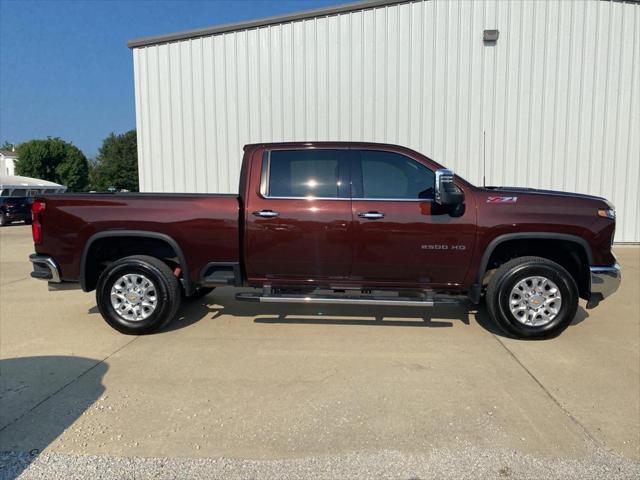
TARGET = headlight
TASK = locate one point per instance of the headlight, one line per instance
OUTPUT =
(607, 213)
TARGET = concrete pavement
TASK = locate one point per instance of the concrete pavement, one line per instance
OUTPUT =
(284, 383)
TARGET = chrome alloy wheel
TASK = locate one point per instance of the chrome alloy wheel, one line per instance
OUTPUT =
(134, 297)
(535, 301)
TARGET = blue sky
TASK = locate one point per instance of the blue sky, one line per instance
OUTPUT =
(65, 69)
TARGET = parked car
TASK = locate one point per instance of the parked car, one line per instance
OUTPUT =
(15, 209)
(343, 223)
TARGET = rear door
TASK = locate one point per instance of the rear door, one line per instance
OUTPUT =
(299, 224)
(400, 236)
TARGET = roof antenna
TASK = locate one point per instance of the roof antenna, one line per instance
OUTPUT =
(484, 158)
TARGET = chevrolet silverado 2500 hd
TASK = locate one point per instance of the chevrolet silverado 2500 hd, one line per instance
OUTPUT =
(334, 222)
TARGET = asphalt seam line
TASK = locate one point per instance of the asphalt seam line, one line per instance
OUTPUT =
(73, 380)
(550, 395)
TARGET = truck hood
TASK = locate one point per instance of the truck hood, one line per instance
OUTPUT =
(515, 191)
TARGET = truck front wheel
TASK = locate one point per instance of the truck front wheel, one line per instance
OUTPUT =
(532, 297)
(137, 295)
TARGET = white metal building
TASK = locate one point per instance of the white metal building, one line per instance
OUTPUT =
(557, 95)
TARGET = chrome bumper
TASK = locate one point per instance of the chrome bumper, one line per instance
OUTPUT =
(604, 282)
(45, 268)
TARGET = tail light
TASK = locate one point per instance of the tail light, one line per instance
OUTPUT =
(36, 227)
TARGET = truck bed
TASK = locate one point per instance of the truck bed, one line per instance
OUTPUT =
(205, 225)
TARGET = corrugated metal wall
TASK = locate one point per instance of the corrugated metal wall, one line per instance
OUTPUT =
(558, 95)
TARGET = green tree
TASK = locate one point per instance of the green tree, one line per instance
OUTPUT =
(116, 165)
(55, 160)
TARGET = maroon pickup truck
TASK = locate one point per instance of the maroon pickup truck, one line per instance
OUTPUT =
(334, 222)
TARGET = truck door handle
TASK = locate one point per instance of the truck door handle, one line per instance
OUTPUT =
(371, 215)
(266, 214)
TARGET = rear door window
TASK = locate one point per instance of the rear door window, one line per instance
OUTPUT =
(304, 174)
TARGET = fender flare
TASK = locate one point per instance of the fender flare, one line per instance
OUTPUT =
(188, 286)
(482, 269)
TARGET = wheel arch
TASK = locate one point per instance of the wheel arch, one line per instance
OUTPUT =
(509, 238)
(87, 283)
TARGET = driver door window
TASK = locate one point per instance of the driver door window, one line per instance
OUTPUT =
(392, 176)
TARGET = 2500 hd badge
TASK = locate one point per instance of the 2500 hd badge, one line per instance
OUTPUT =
(443, 247)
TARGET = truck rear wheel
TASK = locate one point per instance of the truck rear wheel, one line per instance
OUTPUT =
(532, 297)
(137, 295)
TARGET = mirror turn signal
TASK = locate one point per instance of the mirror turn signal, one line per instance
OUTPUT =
(607, 213)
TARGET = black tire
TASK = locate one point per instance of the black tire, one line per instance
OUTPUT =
(27, 221)
(507, 277)
(4, 220)
(167, 294)
(200, 292)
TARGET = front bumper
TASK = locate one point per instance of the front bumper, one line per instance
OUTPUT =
(45, 268)
(604, 282)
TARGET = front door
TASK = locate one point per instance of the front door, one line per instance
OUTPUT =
(298, 227)
(400, 236)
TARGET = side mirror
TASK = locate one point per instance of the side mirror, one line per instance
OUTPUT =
(447, 194)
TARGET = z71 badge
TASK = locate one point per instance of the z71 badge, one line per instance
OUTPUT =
(502, 199)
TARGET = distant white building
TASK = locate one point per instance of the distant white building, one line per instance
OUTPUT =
(8, 162)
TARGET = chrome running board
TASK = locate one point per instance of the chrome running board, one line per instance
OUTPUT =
(422, 300)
